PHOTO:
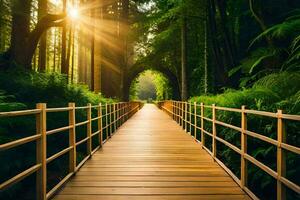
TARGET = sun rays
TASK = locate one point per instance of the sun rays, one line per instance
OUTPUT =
(92, 25)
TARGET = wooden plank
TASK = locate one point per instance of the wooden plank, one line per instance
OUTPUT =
(151, 157)
(150, 184)
(152, 197)
(151, 191)
(177, 169)
(156, 173)
(92, 178)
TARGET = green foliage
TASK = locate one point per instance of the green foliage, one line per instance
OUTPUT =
(286, 30)
(162, 86)
(150, 85)
(146, 86)
(272, 92)
(21, 90)
(52, 88)
(283, 55)
(7, 103)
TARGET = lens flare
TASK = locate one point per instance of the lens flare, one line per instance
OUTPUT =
(73, 13)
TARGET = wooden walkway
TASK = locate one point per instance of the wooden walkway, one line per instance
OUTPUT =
(150, 157)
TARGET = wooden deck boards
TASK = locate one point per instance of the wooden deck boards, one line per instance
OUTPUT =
(151, 157)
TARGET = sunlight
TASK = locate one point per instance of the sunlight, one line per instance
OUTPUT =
(55, 2)
(73, 13)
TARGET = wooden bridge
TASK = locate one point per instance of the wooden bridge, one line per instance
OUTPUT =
(150, 156)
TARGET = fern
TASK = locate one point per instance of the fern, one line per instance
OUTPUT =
(290, 28)
(293, 61)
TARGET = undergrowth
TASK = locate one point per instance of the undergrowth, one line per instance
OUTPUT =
(273, 92)
(21, 90)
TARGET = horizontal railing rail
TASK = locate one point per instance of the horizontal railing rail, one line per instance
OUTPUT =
(109, 118)
(187, 115)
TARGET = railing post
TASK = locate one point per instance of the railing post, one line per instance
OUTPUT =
(117, 115)
(89, 129)
(176, 110)
(100, 125)
(202, 125)
(214, 131)
(195, 120)
(177, 113)
(41, 152)
(281, 157)
(190, 118)
(110, 119)
(173, 110)
(181, 114)
(106, 121)
(115, 118)
(125, 112)
(126, 109)
(122, 112)
(72, 138)
(244, 169)
(185, 116)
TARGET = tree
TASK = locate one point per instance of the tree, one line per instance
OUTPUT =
(23, 41)
(42, 11)
(184, 94)
(64, 64)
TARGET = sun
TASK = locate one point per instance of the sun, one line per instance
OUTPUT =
(73, 13)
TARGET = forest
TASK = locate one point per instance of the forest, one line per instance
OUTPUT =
(224, 52)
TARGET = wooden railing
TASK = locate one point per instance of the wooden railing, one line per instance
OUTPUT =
(109, 118)
(191, 116)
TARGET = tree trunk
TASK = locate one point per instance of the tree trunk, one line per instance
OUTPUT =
(98, 49)
(92, 14)
(73, 56)
(59, 50)
(184, 94)
(64, 66)
(24, 42)
(20, 30)
(42, 11)
(125, 28)
(54, 50)
(205, 59)
(220, 75)
(69, 50)
(228, 47)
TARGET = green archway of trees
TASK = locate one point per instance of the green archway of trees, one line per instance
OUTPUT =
(150, 85)
(136, 70)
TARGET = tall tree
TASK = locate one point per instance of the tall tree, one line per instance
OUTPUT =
(98, 23)
(64, 65)
(23, 41)
(184, 94)
(124, 48)
(92, 15)
(42, 11)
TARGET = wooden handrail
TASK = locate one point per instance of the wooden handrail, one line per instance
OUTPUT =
(115, 115)
(178, 111)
